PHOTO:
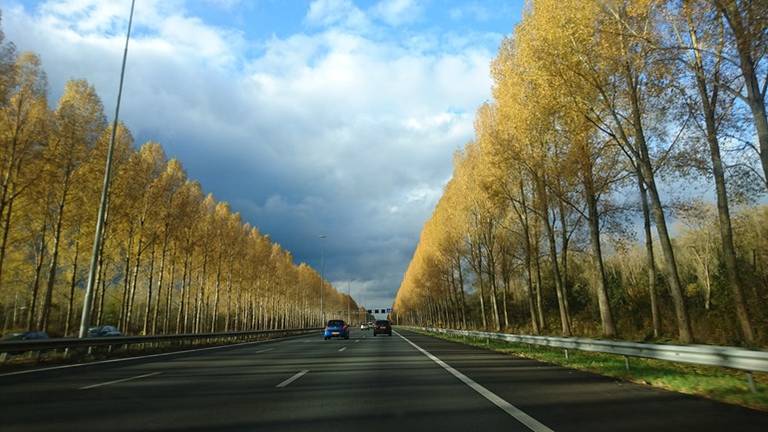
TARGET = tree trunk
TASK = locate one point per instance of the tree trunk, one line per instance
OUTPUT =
(160, 279)
(504, 291)
(522, 214)
(238, 303)
(755, 97)
(650, 262)
(126, 279)
(101, 288)
(182, 296)
(461, 293)
(229, 298)
(683, 323)
(72, 284)
(43, 324)
(709, 106)
(482, 287)
(36, 283)
(8, 197)
(199, 296)
(726, 236)
(676, 291)
(490, 264)
(537, 265)
(148, 306)
(134, 282)
(215, 311)
(606, 317)
(169, 294)
(564, 257)
(549, 232)
(6, 231)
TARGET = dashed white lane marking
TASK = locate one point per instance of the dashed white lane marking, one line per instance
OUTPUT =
(357, 340)
(292, 379)
(124, 359)
(507, 407)
(119, 381)
(342, 349)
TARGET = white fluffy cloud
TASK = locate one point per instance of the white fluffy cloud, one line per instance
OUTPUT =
(327, 130)
(342, 13)
(397, 12)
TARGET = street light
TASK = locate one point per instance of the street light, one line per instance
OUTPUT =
(99, 236)
(322, 278)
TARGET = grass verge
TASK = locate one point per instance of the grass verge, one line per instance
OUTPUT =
(724, 385)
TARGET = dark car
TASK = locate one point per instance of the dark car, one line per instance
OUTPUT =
(382, 327)
(104, 331)
(21, 336)
(29, 335)
(336, 328)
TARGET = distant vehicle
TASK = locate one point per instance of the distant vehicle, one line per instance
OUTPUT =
(382, 327)
(21, 336)
(104, 331)
(336, 328)
(365, 326)
(28, 335)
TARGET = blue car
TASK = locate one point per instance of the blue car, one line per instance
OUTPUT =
(336, 328)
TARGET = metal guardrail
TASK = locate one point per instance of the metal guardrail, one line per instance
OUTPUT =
(709, 355)
(192, 338)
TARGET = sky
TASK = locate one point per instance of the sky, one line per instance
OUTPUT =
(332, 117)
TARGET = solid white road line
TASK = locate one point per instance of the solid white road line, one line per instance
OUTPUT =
(342, 349)
(292, 379)
(141, 357)
(510, 409)
(119, 381)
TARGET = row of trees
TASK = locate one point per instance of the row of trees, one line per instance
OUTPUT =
(605, 115)
(174, 259)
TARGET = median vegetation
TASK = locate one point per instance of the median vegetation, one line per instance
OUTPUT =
(720, 384)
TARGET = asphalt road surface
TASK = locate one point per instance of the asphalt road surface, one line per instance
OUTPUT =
(407, 382)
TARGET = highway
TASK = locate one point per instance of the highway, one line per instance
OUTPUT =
(407, 382)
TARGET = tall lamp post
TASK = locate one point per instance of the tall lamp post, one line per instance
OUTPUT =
(99, 236)
(322, 278)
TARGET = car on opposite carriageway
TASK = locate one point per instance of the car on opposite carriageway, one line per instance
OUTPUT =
(27, 335)
(20, 336)
(336, 328)
(104, 331)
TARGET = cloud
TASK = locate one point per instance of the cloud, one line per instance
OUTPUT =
(473, 10)
(227, 5)
(397, 12)
(100, 17)
(329, 130)
(343, 13)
